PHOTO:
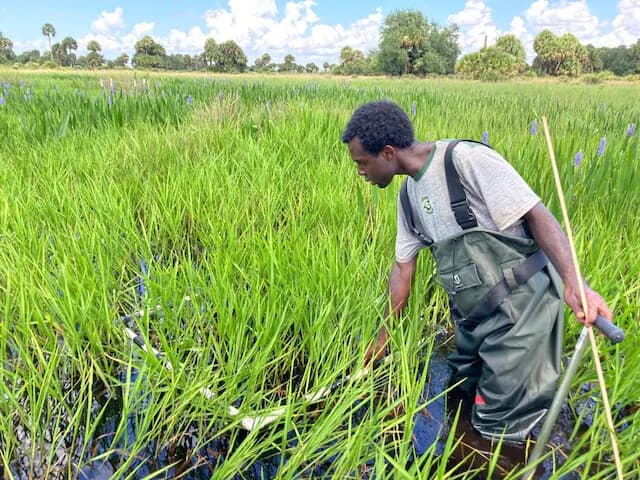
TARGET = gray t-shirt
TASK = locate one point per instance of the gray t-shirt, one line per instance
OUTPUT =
(497, 195)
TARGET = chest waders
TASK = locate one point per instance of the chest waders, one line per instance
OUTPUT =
(506, 302)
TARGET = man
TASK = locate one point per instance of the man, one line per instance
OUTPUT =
(489, 233)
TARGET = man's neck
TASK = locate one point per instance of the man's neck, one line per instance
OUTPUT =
(413, 158)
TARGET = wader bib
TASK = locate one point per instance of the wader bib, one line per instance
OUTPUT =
(506, 302)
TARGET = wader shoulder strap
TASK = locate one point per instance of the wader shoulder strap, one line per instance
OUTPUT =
(512, 279)
(459, 204)
(408, 215)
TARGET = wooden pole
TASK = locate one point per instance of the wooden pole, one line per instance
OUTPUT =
(594, 346)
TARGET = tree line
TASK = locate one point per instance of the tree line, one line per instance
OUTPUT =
(410, 44)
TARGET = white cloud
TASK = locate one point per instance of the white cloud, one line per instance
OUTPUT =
(108, 20)
(191, 41)
(108, 30)
(626, 25)
(256, 26)
(25, 46)
(565, 17)
(475, 24)
(519, 29)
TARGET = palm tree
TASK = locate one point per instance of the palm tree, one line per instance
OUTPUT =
(49, 30)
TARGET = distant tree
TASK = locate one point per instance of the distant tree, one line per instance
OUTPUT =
(210, 52)
(593, 61)
(353, 62)
(180, 61)
(620, 60)
(121, 60)
(326, 66)
(229, 57)
(57, 52)
(505, 59)
(148, 53)
(546, 45)
(263, 63)
(29, 56)
(563, 55)
(573, 55)
(288, 64)
(6, 49)
(65, 53)
(489, 64)
(409, 43)
(311, 68)
(199, 62)
(94, 46)
(94, 59)
(634, 53)
(49, 31)
(401, 39)
(440, 51)
(513, 46)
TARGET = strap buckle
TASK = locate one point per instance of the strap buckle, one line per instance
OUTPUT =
(463, 213)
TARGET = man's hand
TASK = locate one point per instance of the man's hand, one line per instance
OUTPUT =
(595, 304)
(376, 351)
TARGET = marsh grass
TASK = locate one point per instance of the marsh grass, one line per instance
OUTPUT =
(245, 200)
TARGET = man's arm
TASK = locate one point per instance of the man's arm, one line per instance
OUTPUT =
(400, 281)
(549, 235)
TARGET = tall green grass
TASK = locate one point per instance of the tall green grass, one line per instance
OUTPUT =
(237, 192)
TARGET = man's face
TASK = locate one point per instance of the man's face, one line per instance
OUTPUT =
(376, 169)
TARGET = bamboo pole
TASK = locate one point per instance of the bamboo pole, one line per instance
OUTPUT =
(594, 346)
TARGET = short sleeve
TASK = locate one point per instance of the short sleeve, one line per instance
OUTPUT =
(407, 245)
(500, 187)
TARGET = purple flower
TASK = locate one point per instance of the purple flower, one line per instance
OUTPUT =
(631, 130)
(189, 99)
(413, 109)
(141, 287)
(485, 137)
(109, 100)
(2, 100)
(534, 127)
(602, 146)
(220, 95)
(577, 159)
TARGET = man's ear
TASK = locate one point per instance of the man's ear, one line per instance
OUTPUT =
(388, 152)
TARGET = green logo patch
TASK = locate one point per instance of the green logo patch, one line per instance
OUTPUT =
(426, 204)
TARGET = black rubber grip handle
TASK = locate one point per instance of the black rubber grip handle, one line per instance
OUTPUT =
(613, 333)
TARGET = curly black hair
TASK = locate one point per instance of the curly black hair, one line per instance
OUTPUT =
(377, 124)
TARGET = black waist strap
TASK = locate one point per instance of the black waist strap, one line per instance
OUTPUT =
(515, 277)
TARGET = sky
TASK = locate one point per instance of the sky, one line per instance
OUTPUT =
(311, 30)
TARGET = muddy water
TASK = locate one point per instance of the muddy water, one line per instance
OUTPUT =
(432, 425)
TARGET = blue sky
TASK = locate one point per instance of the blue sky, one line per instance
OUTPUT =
(313, 30)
